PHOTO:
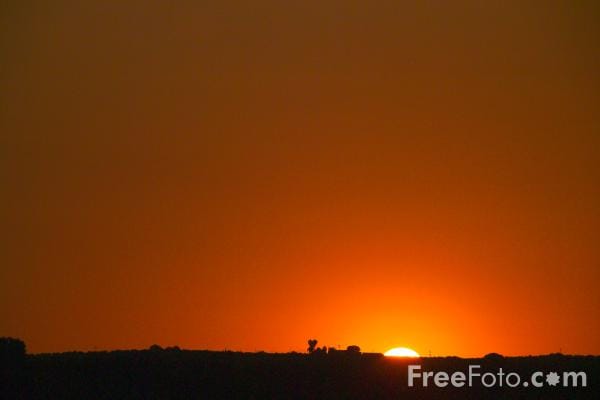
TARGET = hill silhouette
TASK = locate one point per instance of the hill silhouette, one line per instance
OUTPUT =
(172, 373)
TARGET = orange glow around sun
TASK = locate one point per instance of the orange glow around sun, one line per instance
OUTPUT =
(371, 191)
(401, 352)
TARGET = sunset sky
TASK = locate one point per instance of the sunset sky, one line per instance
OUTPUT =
(247, 175)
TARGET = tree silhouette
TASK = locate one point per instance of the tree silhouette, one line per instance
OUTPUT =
(12, 368)
(11, 350)
(312, 344)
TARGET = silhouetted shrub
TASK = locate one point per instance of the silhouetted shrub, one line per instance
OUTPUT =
(353, 349)
(155, 347)
(493, 357)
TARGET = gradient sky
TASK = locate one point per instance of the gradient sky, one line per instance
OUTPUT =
(248, 175)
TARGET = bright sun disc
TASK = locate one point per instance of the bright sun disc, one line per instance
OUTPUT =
(401, 352)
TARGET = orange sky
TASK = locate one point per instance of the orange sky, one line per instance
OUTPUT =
(248, 175)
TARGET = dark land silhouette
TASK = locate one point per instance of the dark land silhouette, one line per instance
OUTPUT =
(323, 373)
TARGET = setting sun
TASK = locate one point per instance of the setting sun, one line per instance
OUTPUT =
(401, 352)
